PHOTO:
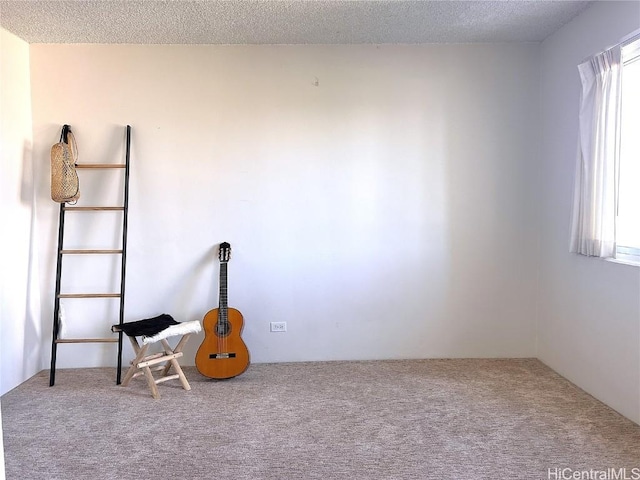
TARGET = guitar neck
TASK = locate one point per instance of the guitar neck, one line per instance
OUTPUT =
(223, 307)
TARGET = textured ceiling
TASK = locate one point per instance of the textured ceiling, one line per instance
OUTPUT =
(284, 22)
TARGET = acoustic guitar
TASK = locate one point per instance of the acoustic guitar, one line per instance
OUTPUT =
(222, 354)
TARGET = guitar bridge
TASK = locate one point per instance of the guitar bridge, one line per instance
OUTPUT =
(222, 355)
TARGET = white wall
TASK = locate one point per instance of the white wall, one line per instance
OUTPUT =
(19, 296)
(589, 326)
(379, 199)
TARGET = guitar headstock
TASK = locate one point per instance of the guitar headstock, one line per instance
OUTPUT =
(225, 252)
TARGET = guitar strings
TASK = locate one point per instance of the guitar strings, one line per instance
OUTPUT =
(219, 325)
(225, 325)
(224, 309)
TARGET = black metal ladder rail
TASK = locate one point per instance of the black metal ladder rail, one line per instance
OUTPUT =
(123, 252)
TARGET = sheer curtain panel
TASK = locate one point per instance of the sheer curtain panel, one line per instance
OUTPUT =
(595, 194)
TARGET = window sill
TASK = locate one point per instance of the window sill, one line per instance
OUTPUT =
(624, 261)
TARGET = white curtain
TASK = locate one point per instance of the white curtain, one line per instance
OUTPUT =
(595, 194)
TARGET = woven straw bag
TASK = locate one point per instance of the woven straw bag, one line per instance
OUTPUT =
(65, 185)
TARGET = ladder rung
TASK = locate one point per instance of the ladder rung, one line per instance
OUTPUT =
(84, 252)
(93, 208)
(89, 295)
(86, 340)
(100, 165)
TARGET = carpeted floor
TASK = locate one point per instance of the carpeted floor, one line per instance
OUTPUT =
(413, 419)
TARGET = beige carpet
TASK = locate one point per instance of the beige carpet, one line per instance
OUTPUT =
(414, 419)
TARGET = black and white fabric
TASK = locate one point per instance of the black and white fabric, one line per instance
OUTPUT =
(153, 329)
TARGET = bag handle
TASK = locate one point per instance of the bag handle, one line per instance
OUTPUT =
(66, 129)
(67, 136)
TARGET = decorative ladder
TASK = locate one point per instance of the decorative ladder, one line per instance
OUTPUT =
(62, 252)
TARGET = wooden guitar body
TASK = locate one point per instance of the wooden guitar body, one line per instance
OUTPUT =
(222, 354)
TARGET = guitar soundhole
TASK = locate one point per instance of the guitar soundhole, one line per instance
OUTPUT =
(223, 329)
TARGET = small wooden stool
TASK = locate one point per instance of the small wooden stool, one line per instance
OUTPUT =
(152, 330)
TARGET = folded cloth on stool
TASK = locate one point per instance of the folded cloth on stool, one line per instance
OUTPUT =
(147, 327)
(181, 328)
(153, 329)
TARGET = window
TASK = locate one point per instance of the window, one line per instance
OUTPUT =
(606, 206)
(628, 208)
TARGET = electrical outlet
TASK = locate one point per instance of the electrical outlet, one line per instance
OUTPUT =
(278, 326)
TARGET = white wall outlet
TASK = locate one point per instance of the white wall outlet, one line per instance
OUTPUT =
(278, 326)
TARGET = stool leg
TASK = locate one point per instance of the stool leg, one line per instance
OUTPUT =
(173, 362)
(183, 379)
(152, 382)
(178, 349)
(140, 352)
(168, 351)
(182, 343)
